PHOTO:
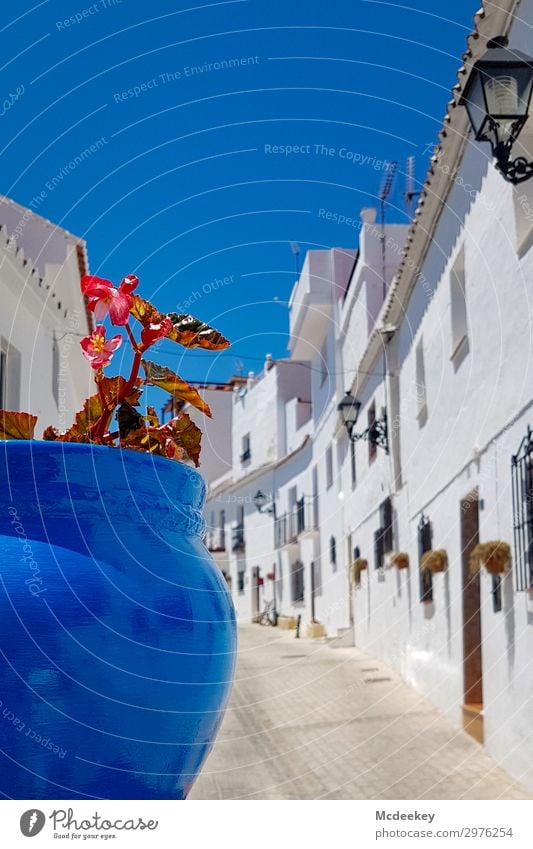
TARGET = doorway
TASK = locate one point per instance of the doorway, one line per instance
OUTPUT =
(472, 638)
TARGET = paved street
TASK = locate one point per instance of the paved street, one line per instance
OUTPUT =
(308, 721)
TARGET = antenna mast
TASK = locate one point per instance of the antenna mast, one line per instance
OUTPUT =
(384, 192)
(410, 194)
(295, 248)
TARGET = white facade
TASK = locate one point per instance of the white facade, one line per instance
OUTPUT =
(42, 318)
(455, 337)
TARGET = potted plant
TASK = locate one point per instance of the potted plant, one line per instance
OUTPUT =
(495, 556)
(400, 560)
(435, 561)
(117, 631)
(359, 565)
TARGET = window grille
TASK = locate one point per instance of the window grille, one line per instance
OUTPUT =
(297, 581)
(386, 524)
(522, 484)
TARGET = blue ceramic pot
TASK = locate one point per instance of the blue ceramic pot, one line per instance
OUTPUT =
(117, 632)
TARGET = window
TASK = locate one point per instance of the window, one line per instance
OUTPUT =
(386, 525)
(353, 467)
(421, 398)
(324, 362)
(371, 420)
(10, 370)
(297, 581)
(246, 449)
(424, 544)
(522, 486)
(333, 551)
(329, 467)
(240, 582)
(383, 537)
(458, 303)
(237, 540)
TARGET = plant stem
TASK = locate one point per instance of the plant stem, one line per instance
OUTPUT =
(104, 419)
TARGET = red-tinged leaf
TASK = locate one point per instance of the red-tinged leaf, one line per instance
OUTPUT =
(50, 434)
(81, 430)
(112, 386)
(16, 425)
(178, 439)
(128, 419)
(178, 388)
(193, 333)
(144, 311)
(186, 329)
(151, 417)
(147, 439)
(186, 435)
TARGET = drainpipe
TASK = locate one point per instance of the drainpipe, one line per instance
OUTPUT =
(392, 377)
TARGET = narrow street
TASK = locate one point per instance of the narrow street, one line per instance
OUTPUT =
(310, 721)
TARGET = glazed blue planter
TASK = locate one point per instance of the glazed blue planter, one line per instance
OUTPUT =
(117, 632)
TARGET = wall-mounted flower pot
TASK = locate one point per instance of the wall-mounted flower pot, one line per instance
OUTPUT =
(495, 556)
(400, 560)
(359, 565)
(435, 561)
(117, 631)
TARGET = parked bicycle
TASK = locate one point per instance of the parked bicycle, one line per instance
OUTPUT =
(268, 615)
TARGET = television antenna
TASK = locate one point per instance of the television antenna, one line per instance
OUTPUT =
(410, 194)
(295, 248)
(385, 189)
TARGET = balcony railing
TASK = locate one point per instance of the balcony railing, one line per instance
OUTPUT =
(301, 518)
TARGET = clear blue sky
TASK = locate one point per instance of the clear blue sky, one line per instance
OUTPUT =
(181, 188)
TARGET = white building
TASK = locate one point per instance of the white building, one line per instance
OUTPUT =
(453, 339)
(42, 318)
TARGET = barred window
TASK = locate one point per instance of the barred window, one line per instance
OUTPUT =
(297, 581)
(384, 536)
(522, 483)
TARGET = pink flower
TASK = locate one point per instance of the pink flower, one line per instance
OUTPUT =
(104, 298)
(95, 348)
(154, 332)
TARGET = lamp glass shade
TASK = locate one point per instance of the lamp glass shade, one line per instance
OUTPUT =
(260, 499)
(349, 409)
(498, 93)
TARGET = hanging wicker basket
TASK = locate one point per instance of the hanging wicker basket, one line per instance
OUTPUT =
(400, 560)
(495, 556)
(435, 561)
(359, 565)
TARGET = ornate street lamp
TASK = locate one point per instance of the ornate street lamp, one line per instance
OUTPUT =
(497, 97)
(376, 433)
(260, 500)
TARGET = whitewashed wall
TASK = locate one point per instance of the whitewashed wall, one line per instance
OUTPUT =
(479, 405)
(42, 318)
